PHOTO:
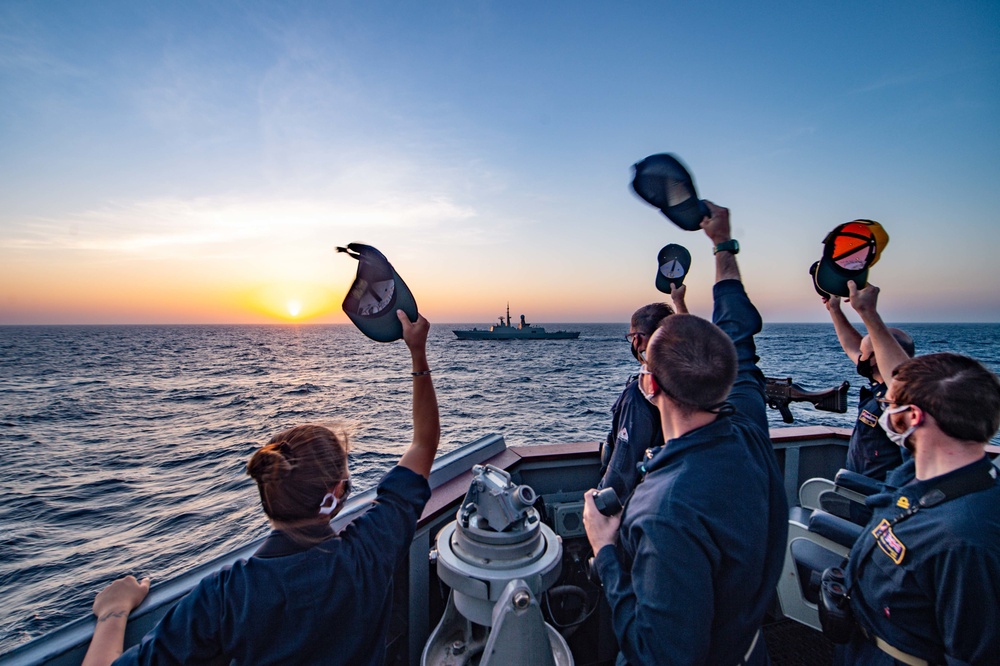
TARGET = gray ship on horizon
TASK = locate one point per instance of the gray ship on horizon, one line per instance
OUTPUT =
(502, 330)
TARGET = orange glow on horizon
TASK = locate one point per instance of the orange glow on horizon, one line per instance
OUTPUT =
(291, 302)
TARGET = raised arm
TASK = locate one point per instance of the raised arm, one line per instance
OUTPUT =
(677, 295)
(850, 339)
(717, 229)
(887, 350)
(733, 312)
(426, 422)
(112, 606)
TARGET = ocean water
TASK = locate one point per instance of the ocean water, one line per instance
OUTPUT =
(125, 446)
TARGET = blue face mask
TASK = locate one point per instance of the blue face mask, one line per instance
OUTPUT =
(897, 438)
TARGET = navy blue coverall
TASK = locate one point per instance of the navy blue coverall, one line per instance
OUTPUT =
(929, 584)
(870, 451)
(702, 538)
(635, 427)
(328, 604)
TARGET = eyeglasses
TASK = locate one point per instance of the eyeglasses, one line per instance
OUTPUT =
(886, 402)
(632, 336)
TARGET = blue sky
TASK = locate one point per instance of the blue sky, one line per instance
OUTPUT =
(181, 162)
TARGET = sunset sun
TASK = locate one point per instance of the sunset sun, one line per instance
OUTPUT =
(294, 308)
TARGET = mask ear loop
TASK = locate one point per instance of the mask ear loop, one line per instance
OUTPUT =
(330, 497)
(327, 510)
(644, 370)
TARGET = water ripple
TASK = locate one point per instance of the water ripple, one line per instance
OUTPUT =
(126, 445)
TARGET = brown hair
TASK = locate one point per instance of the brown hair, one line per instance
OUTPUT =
(693, 361)
(296, 469)
(648, 317)
(961, 395)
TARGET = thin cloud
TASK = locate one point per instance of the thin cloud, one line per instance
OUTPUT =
(174, 225)
(902, 80)
(22, 51)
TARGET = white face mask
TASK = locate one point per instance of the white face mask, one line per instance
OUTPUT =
(898, 438)
(648, 396)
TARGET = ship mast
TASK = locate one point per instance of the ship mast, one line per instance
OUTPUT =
(508, 313)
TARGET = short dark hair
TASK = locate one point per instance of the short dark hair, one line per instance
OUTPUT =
(961, 394)
(693, 361)
(648, 317)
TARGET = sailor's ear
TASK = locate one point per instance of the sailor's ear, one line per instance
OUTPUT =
(651, 384)
(917, 415)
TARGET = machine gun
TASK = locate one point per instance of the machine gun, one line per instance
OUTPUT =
(780, 392)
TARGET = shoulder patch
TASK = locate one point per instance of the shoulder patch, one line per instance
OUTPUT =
(903, 502)
(868, 418)
(888, 541)
(622, 435)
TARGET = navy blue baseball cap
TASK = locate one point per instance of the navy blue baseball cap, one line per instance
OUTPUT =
(675, 261)
(661, 180)
(376, 294)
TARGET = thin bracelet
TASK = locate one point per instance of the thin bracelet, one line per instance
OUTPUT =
(421, 373)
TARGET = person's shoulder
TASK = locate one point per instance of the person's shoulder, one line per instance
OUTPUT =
(965, 528)
(404, 483)
(219, 586)
(628, 393)
(678, 482)
(977, 515)
(619, 402)
(402, 476)
(729, 438)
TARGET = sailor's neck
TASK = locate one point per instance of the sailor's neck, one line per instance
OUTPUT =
(939, 454)
(677, 425)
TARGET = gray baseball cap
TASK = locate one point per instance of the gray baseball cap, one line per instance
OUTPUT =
(376, 294)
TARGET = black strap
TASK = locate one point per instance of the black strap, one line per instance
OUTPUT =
(944, 491)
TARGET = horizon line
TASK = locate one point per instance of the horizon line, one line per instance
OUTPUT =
(461, 323)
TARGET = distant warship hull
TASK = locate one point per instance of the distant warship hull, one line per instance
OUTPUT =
(502, 330)
(517, 334)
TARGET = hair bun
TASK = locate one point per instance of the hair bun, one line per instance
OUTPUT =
(267, 465)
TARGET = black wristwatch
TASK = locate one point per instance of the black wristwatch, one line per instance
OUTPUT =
(730, 245)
